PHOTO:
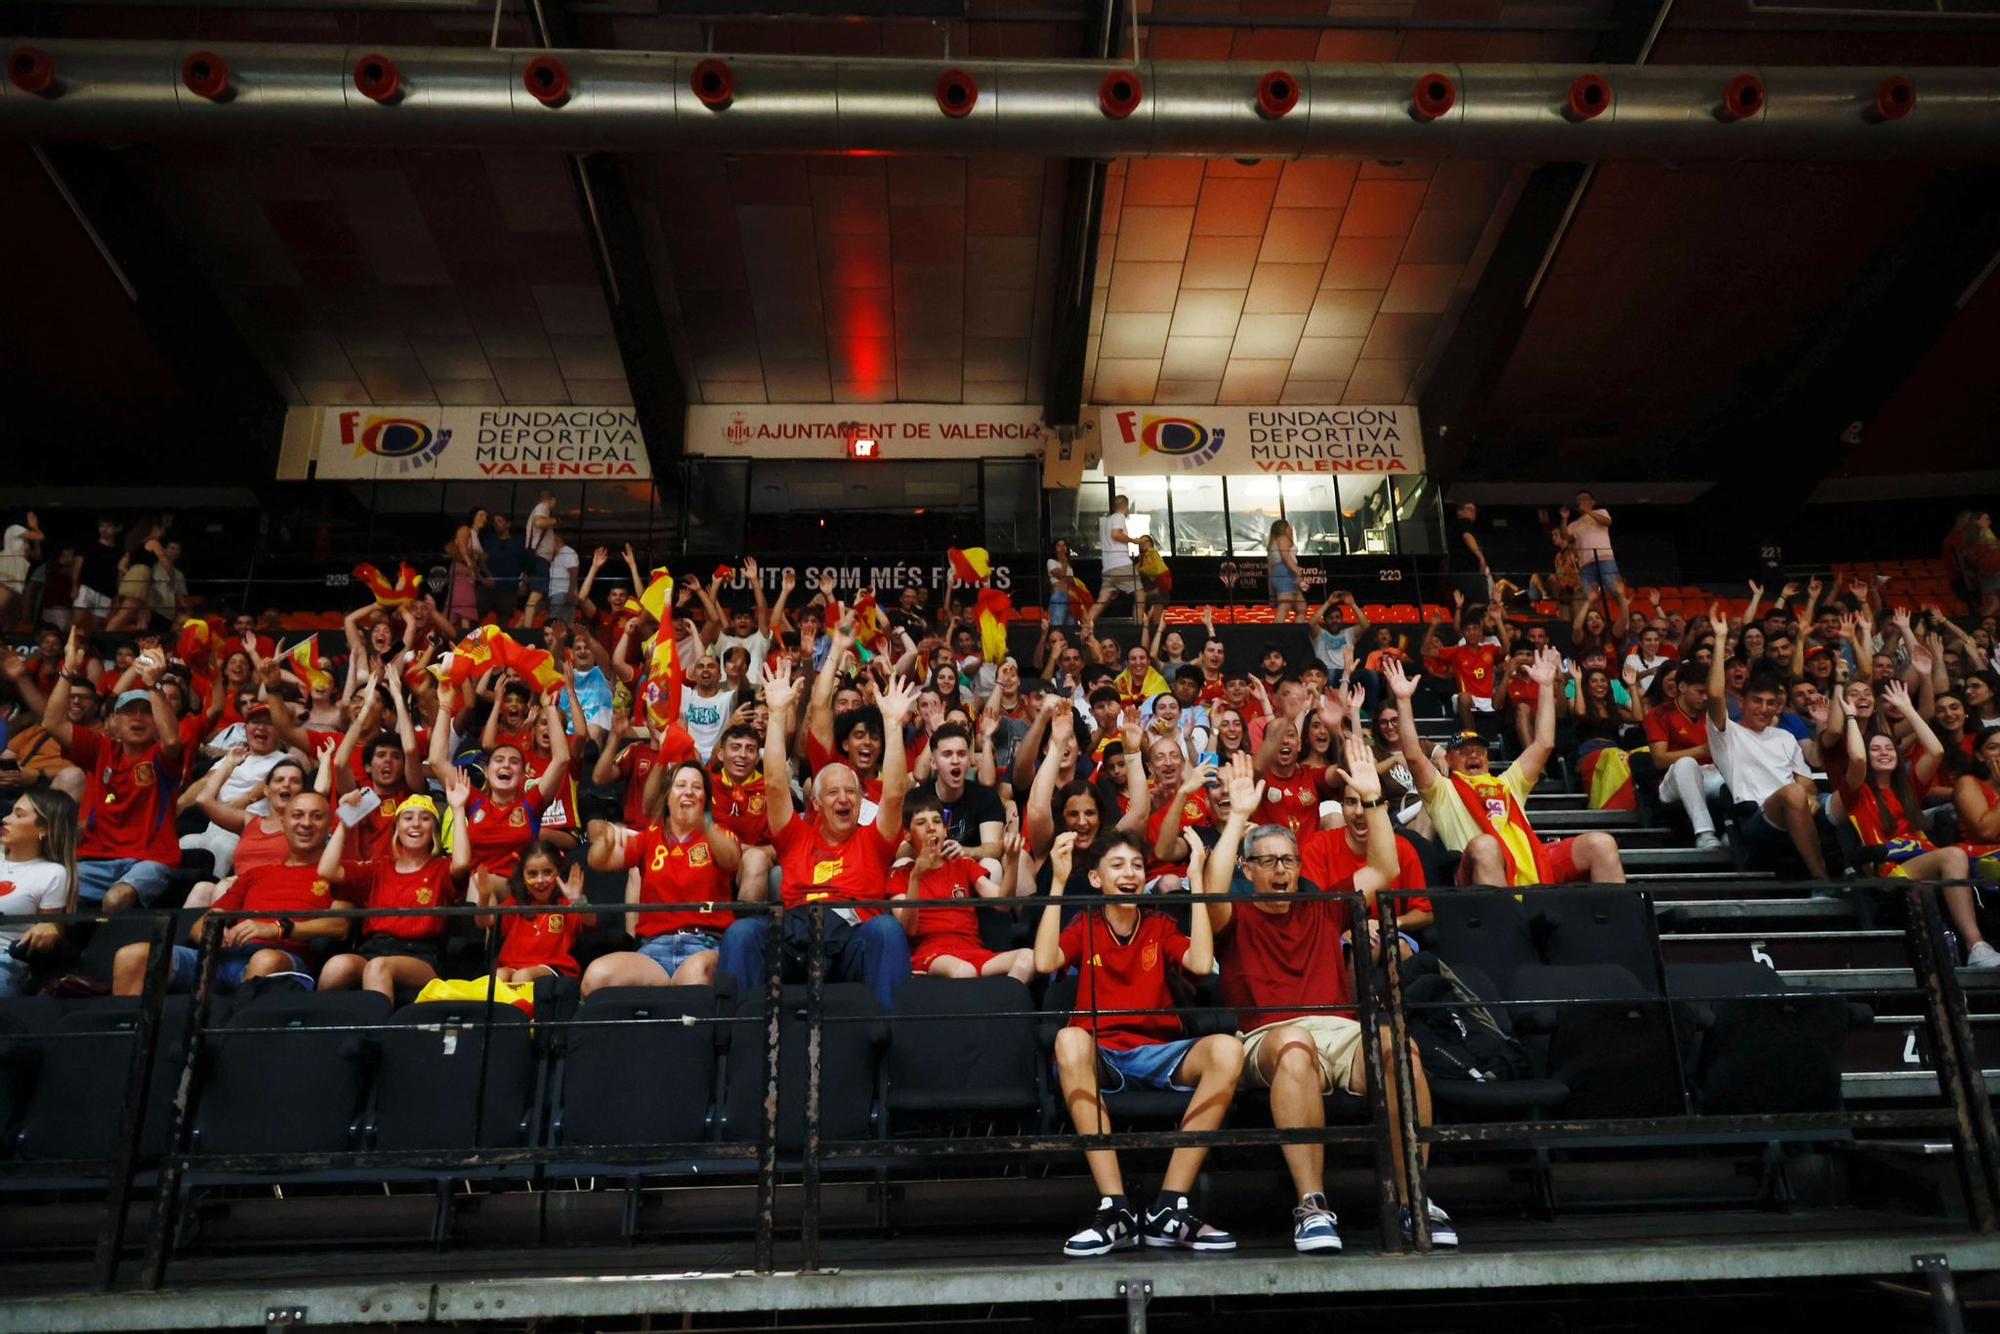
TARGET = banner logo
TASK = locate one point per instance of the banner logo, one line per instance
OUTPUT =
(738, 431)
(1183, 439)
(411, 443)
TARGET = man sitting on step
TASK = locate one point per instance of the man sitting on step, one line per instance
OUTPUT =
(1482, 815)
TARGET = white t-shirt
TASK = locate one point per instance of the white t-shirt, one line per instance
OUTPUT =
(1647, 668)
(28, 888)
(1756, 764)
(542, 541)
(562, 572)
(1593, 539)
(1117, 555)
(1332, 649)
(705, 717)
(15, 542)
(758, 646)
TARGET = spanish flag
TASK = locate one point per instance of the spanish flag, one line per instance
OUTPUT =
(661, 693)
(871, 627)
(197, 641)
(971, 565)
(302, 657)
(392, 594)
(473, 655)
(537, 666)
(658, 596)
(991, 611)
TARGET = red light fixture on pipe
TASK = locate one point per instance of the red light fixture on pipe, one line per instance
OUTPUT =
(206, 75)
(32, 70)
(1120, 94)
(547, 80)
(957, 93)
(1589, 98)
(1895, 98)
(1277, 94)
(714, 84)
(1743, 97)
(377, 79)
(1435, 94)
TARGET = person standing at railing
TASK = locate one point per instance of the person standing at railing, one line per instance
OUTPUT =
(1282, 961)
(1115, 545)
(1122, 955)
(1286, 576)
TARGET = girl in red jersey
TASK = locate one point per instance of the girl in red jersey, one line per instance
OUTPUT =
(682, 858)
(500, 822)
(399, 951)
(534, 944)
(945, 941)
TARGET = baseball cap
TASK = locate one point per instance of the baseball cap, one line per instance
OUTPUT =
(1464, 739)
(130, 697)
(250, 715)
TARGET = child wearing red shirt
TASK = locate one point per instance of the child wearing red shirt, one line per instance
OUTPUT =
(1122, 956)
(532, 944)
(945, 942)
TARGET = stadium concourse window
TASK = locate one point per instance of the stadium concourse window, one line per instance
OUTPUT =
(1210, 516)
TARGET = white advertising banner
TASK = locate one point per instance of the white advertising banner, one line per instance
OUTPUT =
(1345, 438)
(899, 430)
(432, 443)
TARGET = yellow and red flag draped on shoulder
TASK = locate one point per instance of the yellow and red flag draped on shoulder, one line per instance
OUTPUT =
(660, 692)
(390, 593)
(992, 611)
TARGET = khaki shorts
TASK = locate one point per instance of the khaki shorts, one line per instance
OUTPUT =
(1339, 1043)
(1121, 579)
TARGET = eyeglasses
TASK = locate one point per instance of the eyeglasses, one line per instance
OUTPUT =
(1283, 861)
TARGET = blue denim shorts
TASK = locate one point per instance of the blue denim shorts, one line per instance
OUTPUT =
(229, 967)
(1602, 574)
(671, 949)
(1149, 1067)
(94, 878)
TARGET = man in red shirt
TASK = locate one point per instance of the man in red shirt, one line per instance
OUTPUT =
(1283, 960)
(286, 894)
(1334, 855)
(1473, 662)
(128, 842)
(831, 856)
(1292, 790)
(1677, 736)
(1122, 956)
(738, 805)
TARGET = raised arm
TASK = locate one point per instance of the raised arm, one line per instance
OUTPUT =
(1048, 932)
(1038, 812)
(1718, 684)
(1543, 672)
(1403, 686)
(440, 757)
(781, 692)
(551, 781)
(1365, 783)
(1246, 794)
(55, 712)
(895, 703)
(819, 711)
(224, 815)
(1042, 724)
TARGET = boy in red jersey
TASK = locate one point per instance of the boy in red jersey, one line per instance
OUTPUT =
(945, 942)
(1122, 955)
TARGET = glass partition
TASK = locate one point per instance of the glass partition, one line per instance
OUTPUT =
(1312, 504)
(1147, 513)
(1254, 505)
(1201, 516)
(1074, 515)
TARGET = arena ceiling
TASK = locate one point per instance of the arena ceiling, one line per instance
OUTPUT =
(1557, 321)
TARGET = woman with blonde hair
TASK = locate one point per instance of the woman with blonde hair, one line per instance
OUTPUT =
(1286, 576)
(37, 878)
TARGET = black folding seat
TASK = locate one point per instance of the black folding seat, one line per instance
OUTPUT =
(1579, 927)
(73, 1111)
(1487, 929)
(633, 1073)
(1760, 1046)
(852, 1037)
(427, 1081)
(939, 1060)
(288, 1074)
(1474, 1099)
(25, 1023)
(1613, 1047)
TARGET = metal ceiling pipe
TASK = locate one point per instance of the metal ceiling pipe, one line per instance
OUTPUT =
(622, 100)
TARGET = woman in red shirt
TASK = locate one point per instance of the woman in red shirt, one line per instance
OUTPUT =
(532, 944)
(682, 858)
(398, 951)
(505, 818)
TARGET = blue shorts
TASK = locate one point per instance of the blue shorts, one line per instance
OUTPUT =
(228, 967)
(1284, 583)
(1601, 573)
(13, 976)
(1149, 1067)
(95, 878)
(671, 949)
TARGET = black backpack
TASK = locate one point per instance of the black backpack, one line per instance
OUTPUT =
(1456, 1031)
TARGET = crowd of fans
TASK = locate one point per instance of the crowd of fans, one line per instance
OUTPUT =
(811, 745)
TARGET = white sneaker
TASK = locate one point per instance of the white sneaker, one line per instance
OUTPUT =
(1982, 955)
(1707, 843)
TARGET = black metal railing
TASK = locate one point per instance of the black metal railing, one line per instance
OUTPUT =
(1964, 1109)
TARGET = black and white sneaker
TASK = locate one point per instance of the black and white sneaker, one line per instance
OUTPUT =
(1314, 1227)
(1443, 1232)
(1113, 1229)
(1178, 1227)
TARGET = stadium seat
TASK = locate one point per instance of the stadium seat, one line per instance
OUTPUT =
(851, 1041)
(632, 1072)
(286, 1074)
(72, 1115)
(1474, 1099)
(25, 1022)
(1058, 1002)
(1596, 926)
(1761, 1046)
(426, 1094)
(1487, 929)
(951, 1063)
(1612, 1044)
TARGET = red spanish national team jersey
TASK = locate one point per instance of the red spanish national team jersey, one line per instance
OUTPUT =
(739, 808)
(283, 890)
(679, 870)
(1275, 963)
(1472, 664)
(1330, 863)
(374, 834)
(1292, 802)
(541, 940)
(816, 868)
(818, 757)
(128, 801)
(500, 834)
(1196, 814)
(382, 884)
(954, 880)
(1666, 724)
(1128, 974)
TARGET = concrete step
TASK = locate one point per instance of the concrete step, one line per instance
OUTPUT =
(1899, 1043)
(1790, 950)
(1673, 859)
(1576, 819)
(1546, 798)
(1980, 985)
(1737, 914)
(1692, 884)
(1900, 1085)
